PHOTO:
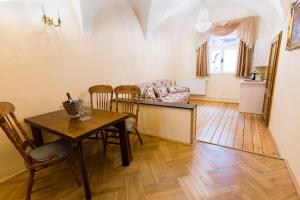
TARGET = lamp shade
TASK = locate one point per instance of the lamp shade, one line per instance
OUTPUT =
(203, 25)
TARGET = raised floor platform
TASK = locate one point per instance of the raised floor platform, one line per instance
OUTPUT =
(170, 121)
(222, 124)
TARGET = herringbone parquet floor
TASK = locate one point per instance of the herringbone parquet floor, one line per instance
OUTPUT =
(164, 170)
(222, 124)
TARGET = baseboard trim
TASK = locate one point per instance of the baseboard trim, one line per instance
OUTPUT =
(296, 184)
(13, 176)
(276, 144)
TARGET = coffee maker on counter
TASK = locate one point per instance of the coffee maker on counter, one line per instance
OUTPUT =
(253, 75)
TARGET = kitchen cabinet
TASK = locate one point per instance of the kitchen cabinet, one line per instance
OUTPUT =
(261, 52)
(252, 96)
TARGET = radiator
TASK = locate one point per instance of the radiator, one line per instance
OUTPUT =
(197, 86)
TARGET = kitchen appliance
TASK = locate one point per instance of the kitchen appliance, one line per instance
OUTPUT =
(253, 75)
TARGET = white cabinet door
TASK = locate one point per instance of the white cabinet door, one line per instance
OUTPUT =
(252, 98)
(261, 52)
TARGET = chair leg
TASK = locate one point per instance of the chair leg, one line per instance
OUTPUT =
(104, 142)
(30, 184)
(139, 136)
(71, 165)
(130, 149)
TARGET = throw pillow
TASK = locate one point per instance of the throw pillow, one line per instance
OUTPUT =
(163, 83)
(143, 88)
(150, 93)
(178, 89)
(184, 89)
(173, 89)
(161, 91)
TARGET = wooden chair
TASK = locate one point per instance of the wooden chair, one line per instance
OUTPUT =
(101, 98)
(36, 158)
(127, 101)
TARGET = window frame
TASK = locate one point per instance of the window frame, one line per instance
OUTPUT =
(222, 49)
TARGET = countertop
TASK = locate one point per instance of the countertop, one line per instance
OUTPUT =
(255, 82)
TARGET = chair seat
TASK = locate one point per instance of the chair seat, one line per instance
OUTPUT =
(130, 126)
(59, 148)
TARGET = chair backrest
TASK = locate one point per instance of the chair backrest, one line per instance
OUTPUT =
(14, 131)
(101, 97)
(128, 100)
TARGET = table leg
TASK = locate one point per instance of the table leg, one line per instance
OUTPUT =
(84, 174)
(37, 136)
(124, 143)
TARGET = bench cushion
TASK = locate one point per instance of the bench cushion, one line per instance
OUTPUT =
(177, 98)
(130, 125)
(59, 148)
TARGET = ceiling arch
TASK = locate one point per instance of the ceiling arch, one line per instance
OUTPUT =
(152, 13)
(270, 11)
(141, 10)
(86, 12)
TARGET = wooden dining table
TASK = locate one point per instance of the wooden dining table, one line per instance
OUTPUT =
(75, 130)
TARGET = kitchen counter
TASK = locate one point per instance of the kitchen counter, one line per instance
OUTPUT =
(248, 81)
(252, 96)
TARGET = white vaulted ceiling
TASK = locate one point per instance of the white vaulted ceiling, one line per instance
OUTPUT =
(86, 12)
(151, 14)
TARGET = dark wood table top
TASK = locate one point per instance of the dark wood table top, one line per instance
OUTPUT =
(59, 123)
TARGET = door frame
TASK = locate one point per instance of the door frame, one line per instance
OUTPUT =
(277, 40)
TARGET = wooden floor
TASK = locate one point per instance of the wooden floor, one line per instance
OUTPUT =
(222, 124)
(164, 170)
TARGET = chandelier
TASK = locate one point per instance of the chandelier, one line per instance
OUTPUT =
(203, 23)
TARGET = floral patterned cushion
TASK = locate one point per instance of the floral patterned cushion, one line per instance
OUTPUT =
(178, 88)
(177, 97)
(150, 93)
(144, 87)
(161, 83)
(161, 91)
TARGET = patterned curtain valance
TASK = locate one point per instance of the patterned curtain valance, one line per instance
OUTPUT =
(245, 27)
(224, 29)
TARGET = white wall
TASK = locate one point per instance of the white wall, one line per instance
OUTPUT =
(223, 87)
(38, 64)
(219, 87)
(285, 114)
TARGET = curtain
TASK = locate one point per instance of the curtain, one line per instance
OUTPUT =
(222, 29)
(244, 60)
(246, 30)
(202, 61)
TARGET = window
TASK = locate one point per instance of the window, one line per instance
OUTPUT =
(223, 54)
